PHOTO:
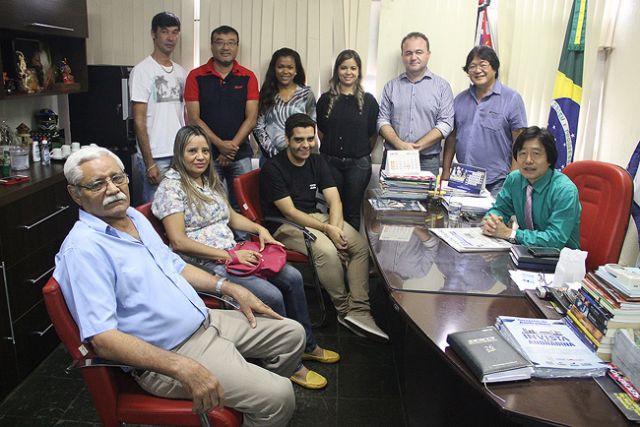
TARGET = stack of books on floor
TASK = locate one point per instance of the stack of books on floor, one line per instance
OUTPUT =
(403, 211)
(524, 259)
(552, 346)
(623, 380)
(604, 304)
(416, 186)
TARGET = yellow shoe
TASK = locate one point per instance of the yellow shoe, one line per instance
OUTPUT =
(328, 356)
(313, 381)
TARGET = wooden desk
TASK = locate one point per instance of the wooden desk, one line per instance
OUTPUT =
(425, 304)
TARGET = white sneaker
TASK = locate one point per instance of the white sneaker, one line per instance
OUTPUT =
(349, 327)
(364, 322)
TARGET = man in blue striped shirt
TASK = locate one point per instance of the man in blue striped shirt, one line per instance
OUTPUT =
(416, 109)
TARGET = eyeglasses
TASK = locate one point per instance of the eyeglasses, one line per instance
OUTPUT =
(221, 43)
(484, 66)
(101, 185)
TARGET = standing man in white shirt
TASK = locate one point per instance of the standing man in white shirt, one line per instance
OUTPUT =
(157, 88)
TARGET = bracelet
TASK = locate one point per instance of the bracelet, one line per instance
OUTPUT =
(151, 167)
(219, 285)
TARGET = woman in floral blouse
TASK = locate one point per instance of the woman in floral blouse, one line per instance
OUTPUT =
(193, 208)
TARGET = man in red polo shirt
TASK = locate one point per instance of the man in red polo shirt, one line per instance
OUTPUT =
(222, 98)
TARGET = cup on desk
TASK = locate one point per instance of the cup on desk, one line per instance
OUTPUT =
(75, 146)
(455, 210)
(56, 153)
(66, 150)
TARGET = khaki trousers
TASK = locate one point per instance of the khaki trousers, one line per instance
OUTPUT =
(222, 344)
(331, 271)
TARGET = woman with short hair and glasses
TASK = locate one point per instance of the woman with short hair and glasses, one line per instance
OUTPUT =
(196, 215)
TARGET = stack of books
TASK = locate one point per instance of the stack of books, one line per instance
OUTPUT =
(416, 186)
(552, 346)
(403, 211)
(626, 355)
(602, 306)
(524, 259)
(623, 381)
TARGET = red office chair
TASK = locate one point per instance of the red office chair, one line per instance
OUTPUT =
(117, 397)
(605, 192)
(247, 190)
(145, 209)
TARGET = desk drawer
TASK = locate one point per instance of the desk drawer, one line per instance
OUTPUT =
(35, 338)
(33, 221)
(26, 278)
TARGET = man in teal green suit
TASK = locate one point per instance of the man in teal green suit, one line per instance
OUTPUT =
(544, 201)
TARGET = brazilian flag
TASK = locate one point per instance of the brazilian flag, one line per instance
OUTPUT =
(567, 91)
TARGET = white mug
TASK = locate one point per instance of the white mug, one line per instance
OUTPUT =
(66, 150)
(75, 146)
(56, 153)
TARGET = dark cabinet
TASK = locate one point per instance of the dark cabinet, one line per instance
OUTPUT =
(34, 220)
(67, 18)
(47, 33)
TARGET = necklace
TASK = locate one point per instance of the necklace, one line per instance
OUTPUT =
(167, 70)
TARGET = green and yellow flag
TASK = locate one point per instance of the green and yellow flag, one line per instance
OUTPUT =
(567, 92)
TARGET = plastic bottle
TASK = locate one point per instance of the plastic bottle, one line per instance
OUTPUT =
(46, 154)
(35, 151)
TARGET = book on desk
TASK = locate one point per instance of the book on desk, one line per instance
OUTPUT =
(489, 356)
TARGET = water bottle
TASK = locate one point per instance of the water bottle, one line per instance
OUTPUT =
(46, 154)
(35, 151)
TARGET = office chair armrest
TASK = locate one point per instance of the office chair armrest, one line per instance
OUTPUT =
(307, 234)
(89, 362)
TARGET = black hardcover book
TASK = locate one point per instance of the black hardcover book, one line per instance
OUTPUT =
(521, 265)
(489, 356)
(524, 255)
(620, 398)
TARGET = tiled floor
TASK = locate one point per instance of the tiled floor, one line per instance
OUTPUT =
(363, 389)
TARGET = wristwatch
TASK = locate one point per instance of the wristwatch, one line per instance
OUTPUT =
(219, 285)
(512, 237)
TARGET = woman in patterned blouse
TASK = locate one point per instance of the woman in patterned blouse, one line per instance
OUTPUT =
(191, 203)
(282, 94)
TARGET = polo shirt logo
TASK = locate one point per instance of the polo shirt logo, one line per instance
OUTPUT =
(238, 87)
(312, 187)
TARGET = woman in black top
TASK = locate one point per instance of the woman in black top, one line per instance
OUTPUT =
(347, 130)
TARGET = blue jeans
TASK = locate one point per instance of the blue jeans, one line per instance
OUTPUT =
(431, 164)
(140, 171)
(495, 187)
(352, 177)
(228, 174)
(284, 293)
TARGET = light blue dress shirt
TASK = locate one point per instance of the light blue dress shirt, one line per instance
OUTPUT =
(556, 209)
(412, 109)
(112, 281)
(483, 129)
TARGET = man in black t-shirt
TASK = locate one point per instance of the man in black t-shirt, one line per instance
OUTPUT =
(289, 182)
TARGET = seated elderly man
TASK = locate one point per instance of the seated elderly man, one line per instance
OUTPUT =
(135, 301)
(544, 201)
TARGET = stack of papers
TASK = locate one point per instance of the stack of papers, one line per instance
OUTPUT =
(552, 346)
(470, 240)
(408, 211)
(472, 204)
(397, 185)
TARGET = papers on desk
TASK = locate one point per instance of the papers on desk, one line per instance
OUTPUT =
(470, 240)
(470, 203)
(552, 346)
(530, 279)
(398, 233)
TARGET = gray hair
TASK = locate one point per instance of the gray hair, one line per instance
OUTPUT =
(72, 171)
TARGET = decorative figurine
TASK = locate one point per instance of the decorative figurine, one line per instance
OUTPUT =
(65, 70)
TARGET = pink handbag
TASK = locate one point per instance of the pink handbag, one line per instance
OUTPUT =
(273, 259)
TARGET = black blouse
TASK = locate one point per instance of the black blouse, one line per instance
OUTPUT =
(347, 132)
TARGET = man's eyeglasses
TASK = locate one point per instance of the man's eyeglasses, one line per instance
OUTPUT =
(101, 185)
(220, 43)
(484, 66)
